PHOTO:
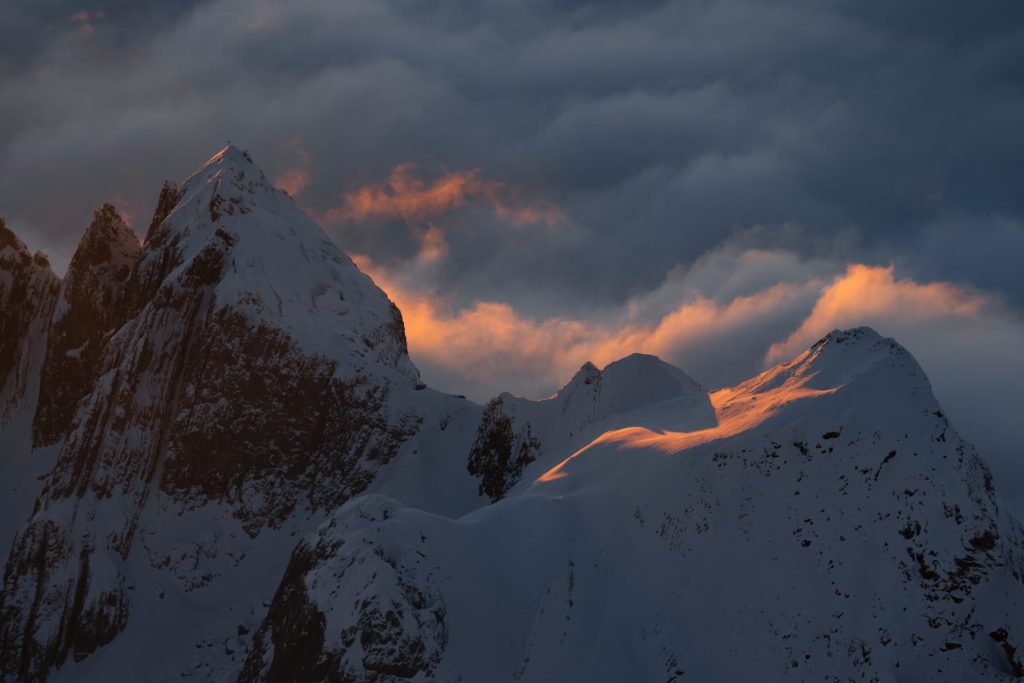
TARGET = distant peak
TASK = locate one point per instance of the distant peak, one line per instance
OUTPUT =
(637, 360)
(644, 365)
(587, 374)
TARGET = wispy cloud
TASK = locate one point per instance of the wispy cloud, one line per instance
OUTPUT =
(406, 195)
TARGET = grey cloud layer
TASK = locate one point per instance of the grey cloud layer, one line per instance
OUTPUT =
(876, 132)
(659, 128)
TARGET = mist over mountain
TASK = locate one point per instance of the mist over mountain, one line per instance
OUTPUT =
(221, 463)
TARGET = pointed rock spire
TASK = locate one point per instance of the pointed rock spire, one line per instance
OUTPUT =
(91, 306)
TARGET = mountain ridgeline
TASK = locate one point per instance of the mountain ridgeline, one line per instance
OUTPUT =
(243, 478)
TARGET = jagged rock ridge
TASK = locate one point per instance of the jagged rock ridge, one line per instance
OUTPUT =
(28, 293)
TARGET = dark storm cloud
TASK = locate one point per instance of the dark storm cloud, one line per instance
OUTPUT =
(659, 128)
(664, 132)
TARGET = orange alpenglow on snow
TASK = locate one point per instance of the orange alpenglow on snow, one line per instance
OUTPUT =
(737, 409)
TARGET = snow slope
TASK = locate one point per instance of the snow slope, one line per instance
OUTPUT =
(829, 525)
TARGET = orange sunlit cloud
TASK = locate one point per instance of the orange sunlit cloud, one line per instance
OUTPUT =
(488, 338)
(864, 294)
(406, 196)
(491, 340)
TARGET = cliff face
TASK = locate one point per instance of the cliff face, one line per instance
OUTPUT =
(28, 293)
(237, 362)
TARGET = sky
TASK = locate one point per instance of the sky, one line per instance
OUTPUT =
(541, 183)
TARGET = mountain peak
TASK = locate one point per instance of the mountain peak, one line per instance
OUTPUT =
(645, 365)
(587, 373)
(233, 182)
(857, 363)
(854, 350)
(274, 263)
(629, 382)
(853, 335)
(231, 155)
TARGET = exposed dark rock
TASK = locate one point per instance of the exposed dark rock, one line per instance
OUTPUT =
(90, 308)
(28, 293)
(289, 645)
(1001, 636)
(500, 453)
(392, 624)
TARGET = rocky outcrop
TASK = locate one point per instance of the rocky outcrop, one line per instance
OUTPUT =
(91, 307)
(501, 451)
(350, 609)
(28, 293)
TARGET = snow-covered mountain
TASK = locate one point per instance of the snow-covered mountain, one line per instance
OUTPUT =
(822, 522)
(244, 379)
(245, 479)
